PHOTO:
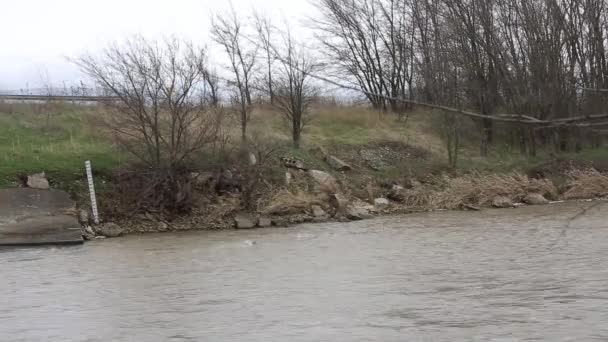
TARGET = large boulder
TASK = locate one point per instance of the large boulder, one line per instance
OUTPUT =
(110, 230)
(88, 233)
(355, 213)
(397, 194)
(38, 181)
(535, 199)
(502, 202)
(339, 201)
(337, 164)
(264, 222)
(293, 163)
(324, 180)
(381, 202)
(253, 160)
(227, 183)
(373, 159)
(244, 221)
(318, 212)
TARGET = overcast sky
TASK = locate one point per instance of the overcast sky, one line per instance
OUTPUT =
(38, 35)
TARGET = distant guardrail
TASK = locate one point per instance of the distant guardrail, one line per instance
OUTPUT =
(57, 98)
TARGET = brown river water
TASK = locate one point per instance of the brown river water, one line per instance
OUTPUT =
(528, 274)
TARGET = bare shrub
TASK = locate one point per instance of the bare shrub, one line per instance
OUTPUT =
(227, 30)
(258, 176)
(159, 192)
(160, 115)
(419, 198)
(293, 91)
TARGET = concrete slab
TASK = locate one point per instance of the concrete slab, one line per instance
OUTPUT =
(37, 217)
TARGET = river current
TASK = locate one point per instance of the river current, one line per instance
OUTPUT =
(528, 274)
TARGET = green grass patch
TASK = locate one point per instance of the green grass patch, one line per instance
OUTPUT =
(57, 144)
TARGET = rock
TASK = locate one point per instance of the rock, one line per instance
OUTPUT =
(339, 201)
(373, 160)
(162, 226)
(264, 222)
(472, 207)
(253, 160)
(369, 188)
(38, 181)
(83, 217)
(280, 222)
(226, 183)
(381, 202)
(324, 180)
(288, 178)
(535, 199)
(397, 194)
(88, 233)
(318, 212)
(201, 180)
(338, 164)
(110, 230)
(356, 213)
(414, 184)
(244, 221)
(370, 208)
(293, 163)
(502, 202)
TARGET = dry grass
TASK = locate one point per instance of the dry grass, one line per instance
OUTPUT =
(285, 202)
(422, 198)
(477, 189)
(348, 125)
(584, 184)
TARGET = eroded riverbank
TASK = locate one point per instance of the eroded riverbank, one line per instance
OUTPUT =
(528, 273)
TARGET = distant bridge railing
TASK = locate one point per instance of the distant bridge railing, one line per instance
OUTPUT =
(73, 98)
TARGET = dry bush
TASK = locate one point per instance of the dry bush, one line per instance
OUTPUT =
(584, 184)
(163, 192)
(419, 198)
(160, 98)
(285, 202)
(479, 189)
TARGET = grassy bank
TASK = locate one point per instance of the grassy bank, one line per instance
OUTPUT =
(58, 138)
(53, 139)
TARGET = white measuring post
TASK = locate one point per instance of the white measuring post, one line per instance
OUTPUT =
(87, 165)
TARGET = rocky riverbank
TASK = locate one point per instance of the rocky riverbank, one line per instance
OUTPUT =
(310, 195)
(342, 185)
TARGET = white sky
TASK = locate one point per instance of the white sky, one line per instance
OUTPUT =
(38, 35)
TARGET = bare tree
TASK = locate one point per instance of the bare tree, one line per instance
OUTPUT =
(211, 86)
(158, 114)
(543, 60)
(372, 42)
(294, 92)
(227, 32)
(265, 32)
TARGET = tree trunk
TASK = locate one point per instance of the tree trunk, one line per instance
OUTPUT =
(244, 127)
(487, 136)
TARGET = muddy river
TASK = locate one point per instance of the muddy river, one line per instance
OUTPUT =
(528, 274)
